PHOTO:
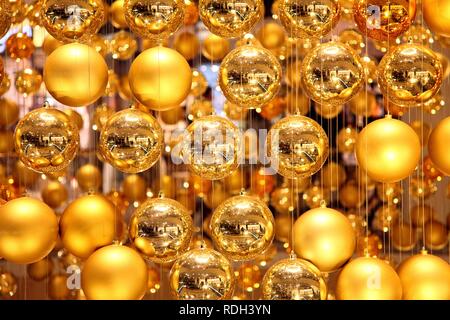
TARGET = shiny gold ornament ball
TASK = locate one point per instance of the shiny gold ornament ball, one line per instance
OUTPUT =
(114, 273)
(332, 73)
(436, 235)
(160, 78)
(242, 227)
(346, 139)
(46, 140)
(131, 140)
(284, 199)
(28, 230)
(123, 45)
(155, 21)
(80, 82)
(429, 169)
(250, 76)
(54, 194)
(161, 229)
(298, 146)
(353, 39)
(234, 111)
(368, 278)
(28, 81)
(436, 14)
(191, 276)
(72, 20)
(75, 117)
(117, 14)
(384, 19)
(101, 115)
(19, 46)
(215, 48)
(325, 237)
(88, 223)
(293, 279)
(41, 269)
(218, 135)
(303, 19)
(199, 83)
(438, 145)
(316, 195)
(5, 13)
(425, 277)
(417, 86)
(230, 20)
(89, 177)
(9, 112)
(187, 44)
(388, 150)
(8, 284)
(328, 111)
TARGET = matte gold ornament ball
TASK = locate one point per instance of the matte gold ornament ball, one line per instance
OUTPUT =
(154, 20)
(230, 19)
(436, 14)
(250, 76)
(242, 227)
(211, 147)
(88, 223)
(160, 78)
(54, 194)
(325, 237)
(368, 278)
(384, 19)
(89, 177)
(332, 73)
(425, 277)
(28, 230)
(305, 19)
(388, 150)
(410, 74)
(117, 14)
(439, 144)
(46, 140)
(202, 274)
(114, 272)
(298, 146)
(293, 279)
(215, 48)
(72, 20)
(131, 140)
(161, 229)
(80, 82)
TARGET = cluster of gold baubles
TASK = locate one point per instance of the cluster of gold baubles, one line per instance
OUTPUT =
(242, 227)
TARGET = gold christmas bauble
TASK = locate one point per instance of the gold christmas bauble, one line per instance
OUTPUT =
(271, 36)
(6, 141)
(117, 14)
(234, 111)
(28, 230)
(332, 73)
(123, 45)
(403, 236)
(50, 44)
(28, 81)
(5, 84)
(75, 117)
(54, 194)
(353, 39)
(297, 146)
(306, 19)
(273, 108)
(202, 274)
(332, 175)
(154, 20)
(89, 177)
(230, 20)
(114, 272)
(19, 46)
(134, 188)
(46, 140)
(284, 199)
(384, 19)
(410, 74)
(160, 78)
(420, 214)
(328, 111)
(430, 171)
(325, 237)
(215, 48)
(131, 140)
(250, 76)
(211, 147)
(293, 279)
(422, 130)
(57, 287)
(388, 150)
(80, 82)
(435, 235)
(425, 277)
(8, 284)
(199, 83)
(436, 14)
(346, 139)
(363, 104)
(23, 175)
(41, 269)
(191, 13)
(351, 195)
(5, 13)
(297, 102)
(187, 44)
(368, 278)
(242, 227)
(101, 115)
(283, 229)
(72, 20)
(88, 223)
(438, 144)
(9, 112)
(161, 229)
(385, 217)
(390, 193)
